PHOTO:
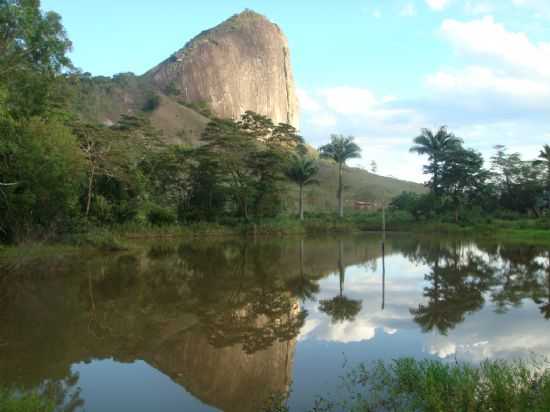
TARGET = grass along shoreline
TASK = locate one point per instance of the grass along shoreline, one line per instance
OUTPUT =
(118, 238)
(411, 385)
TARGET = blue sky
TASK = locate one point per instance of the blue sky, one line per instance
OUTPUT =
(377, 69)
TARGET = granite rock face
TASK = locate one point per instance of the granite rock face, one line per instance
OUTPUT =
(241, 64)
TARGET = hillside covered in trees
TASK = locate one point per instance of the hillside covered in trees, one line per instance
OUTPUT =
(78, 151)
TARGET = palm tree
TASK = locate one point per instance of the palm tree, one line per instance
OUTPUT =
(340, 149)
(436, 146)
(545, 158)
(301, 171)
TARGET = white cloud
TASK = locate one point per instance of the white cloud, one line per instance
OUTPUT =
(307, 103)
(349, 100)
(507, 84)
(383, 131)
(499, 94)
(323, 120)
(377, 14)
(361, 103)
(486, 38)
(477, 79)
(444, 350)
(437, 5)
(408, 10)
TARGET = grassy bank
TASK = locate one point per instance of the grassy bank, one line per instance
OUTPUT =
(118, 238)
(409, 385)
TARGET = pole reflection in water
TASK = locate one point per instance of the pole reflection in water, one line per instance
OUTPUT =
(383, 274)
(383, 256)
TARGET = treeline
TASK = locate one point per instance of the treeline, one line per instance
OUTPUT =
(463, 187)
(61, 175)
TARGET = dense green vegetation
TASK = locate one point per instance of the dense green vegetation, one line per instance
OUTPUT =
(463, 190)
(61, 174)
(410, 385)
(407, 384)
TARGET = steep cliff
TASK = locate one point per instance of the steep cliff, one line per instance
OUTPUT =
(241, 64)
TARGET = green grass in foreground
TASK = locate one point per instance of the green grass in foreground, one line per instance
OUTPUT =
(409, 385)
(12, 401)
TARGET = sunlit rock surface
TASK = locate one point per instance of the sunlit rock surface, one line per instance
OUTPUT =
(241, 64)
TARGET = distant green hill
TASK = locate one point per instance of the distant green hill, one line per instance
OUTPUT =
(360, 185)
(104, 100)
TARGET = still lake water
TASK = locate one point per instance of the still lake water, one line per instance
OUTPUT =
(222, 325)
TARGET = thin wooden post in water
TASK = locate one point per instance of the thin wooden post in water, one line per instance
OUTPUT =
(383, 224)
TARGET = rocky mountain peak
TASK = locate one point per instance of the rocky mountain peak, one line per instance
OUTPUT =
(241, 64)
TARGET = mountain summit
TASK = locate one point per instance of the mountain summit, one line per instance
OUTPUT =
(241, 64)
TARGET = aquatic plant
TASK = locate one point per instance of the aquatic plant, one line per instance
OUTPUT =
(407, 384)
(14, 401)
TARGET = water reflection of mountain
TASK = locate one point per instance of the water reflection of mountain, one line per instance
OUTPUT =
(221, 318)
(228, 377)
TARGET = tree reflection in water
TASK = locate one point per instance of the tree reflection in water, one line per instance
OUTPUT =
(462, 277)
(256, 312)
(187, 309)
(341, 308)
(303, 286)
(64, 393)
(543, 296)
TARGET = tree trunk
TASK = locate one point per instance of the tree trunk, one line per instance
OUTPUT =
(436, 176)
(341, 268)
(340, 191)
(302, 259)
(245, 209)
(90, 189)
(301, 202)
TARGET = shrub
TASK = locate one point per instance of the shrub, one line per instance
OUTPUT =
(151, 103)
(100, 239)
(160, 216)
(44, 160)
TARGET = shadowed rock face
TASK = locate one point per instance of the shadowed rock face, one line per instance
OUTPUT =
(242, 64)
